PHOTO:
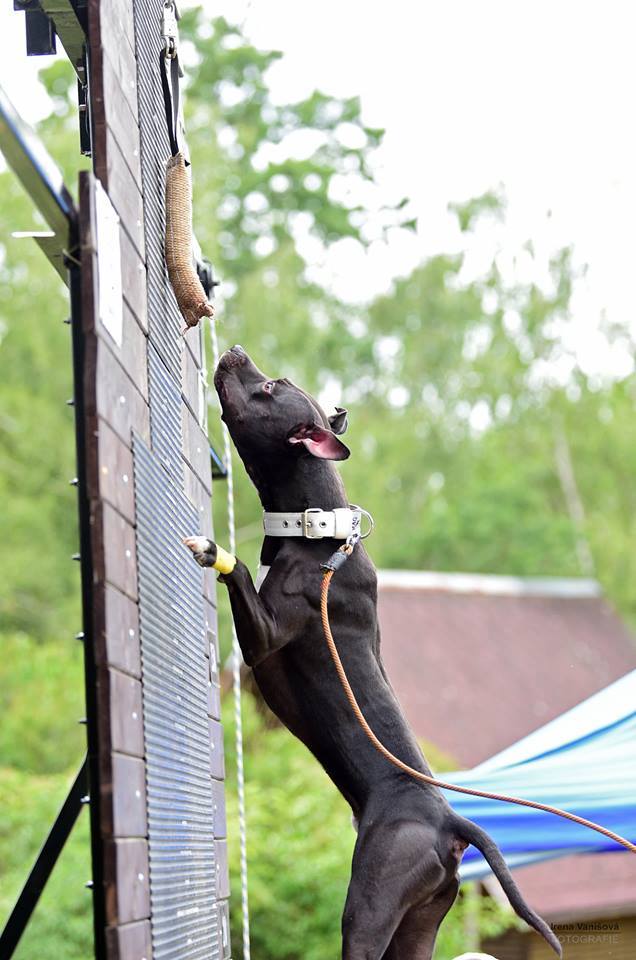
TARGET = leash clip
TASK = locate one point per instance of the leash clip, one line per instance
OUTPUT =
(353, 539)
(169, 28)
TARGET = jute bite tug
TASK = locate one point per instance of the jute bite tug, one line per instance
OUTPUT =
(410, 842)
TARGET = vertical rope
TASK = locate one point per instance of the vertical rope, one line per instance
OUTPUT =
(237, 659)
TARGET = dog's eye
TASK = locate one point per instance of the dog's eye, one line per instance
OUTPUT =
(269, 386)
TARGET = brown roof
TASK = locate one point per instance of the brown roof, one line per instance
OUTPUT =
(479, 662)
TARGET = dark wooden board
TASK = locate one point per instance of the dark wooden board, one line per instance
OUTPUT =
(131, 941)
(127, 883)
(114, 472)
(124, 192)
(220, 820)
(120, 566)
(222, 871)
(217, 760)
(196, 448)
(118, 644)
(193, 381)
(119, 402)
(126, 721)
(129, 796)
(133, 352)
(133, 280)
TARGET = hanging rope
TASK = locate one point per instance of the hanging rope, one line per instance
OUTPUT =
(237, 659)
(188, 290)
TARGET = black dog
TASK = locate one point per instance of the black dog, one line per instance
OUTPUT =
(410, 843)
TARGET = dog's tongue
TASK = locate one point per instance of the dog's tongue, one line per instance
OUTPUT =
(321, 443)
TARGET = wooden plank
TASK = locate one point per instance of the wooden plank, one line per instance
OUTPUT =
(118, 26)
(133, 280)
(116, 121)
(208, 582)
(220, 817)
(105, 38)
(214, 700)
(127, 887)
(119, 646)
(196, 448)
(114, 472)
(119, 84)
(193, 381)
(200, 497)
(212, 641)
(127, 734)
(222, 871)
(224, 924)
(194, 342)
(120, 561)
(129, 942)
(128, 796)
(217, 762)
(119, 402)
(124, 193)
(133, 352)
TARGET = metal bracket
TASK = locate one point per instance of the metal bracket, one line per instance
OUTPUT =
(40, 177)
(66, 19)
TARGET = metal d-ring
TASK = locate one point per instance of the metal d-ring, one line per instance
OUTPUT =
(365, 513)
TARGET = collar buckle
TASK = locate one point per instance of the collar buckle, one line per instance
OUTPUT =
(310, 527)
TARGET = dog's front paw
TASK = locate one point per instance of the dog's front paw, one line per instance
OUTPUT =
(203, 549)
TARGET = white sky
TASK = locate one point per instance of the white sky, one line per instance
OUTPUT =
(539, 97)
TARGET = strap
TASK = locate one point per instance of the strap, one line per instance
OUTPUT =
(170, 86)
(316, 524)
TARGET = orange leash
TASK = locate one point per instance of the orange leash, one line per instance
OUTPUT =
(346, 686)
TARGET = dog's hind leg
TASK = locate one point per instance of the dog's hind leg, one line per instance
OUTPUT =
(395, 866)
(414, 938)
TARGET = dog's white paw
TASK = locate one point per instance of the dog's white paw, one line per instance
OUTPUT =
(198, 544)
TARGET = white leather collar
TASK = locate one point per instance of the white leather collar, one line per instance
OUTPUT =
(316, 524)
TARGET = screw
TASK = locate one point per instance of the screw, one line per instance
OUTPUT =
(73, 482)
(76, 556)
(82, 720)
(71, 402)
(80, 635)
(68, 320)
(85, 799)
(89, 884)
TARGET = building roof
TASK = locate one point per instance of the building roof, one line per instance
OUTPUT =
(479, 662)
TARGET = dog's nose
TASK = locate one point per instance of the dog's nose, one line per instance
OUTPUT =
(234, 357)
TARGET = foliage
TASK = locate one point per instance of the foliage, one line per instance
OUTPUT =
(61, 928)
(41, 700)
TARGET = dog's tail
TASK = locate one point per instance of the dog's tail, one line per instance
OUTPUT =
(471, 833)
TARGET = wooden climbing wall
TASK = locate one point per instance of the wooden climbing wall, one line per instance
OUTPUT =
(153, 705)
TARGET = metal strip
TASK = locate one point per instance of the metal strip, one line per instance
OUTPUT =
(175, 679)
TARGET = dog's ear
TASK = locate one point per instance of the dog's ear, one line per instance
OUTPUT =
(338, 420)
(321, 443)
